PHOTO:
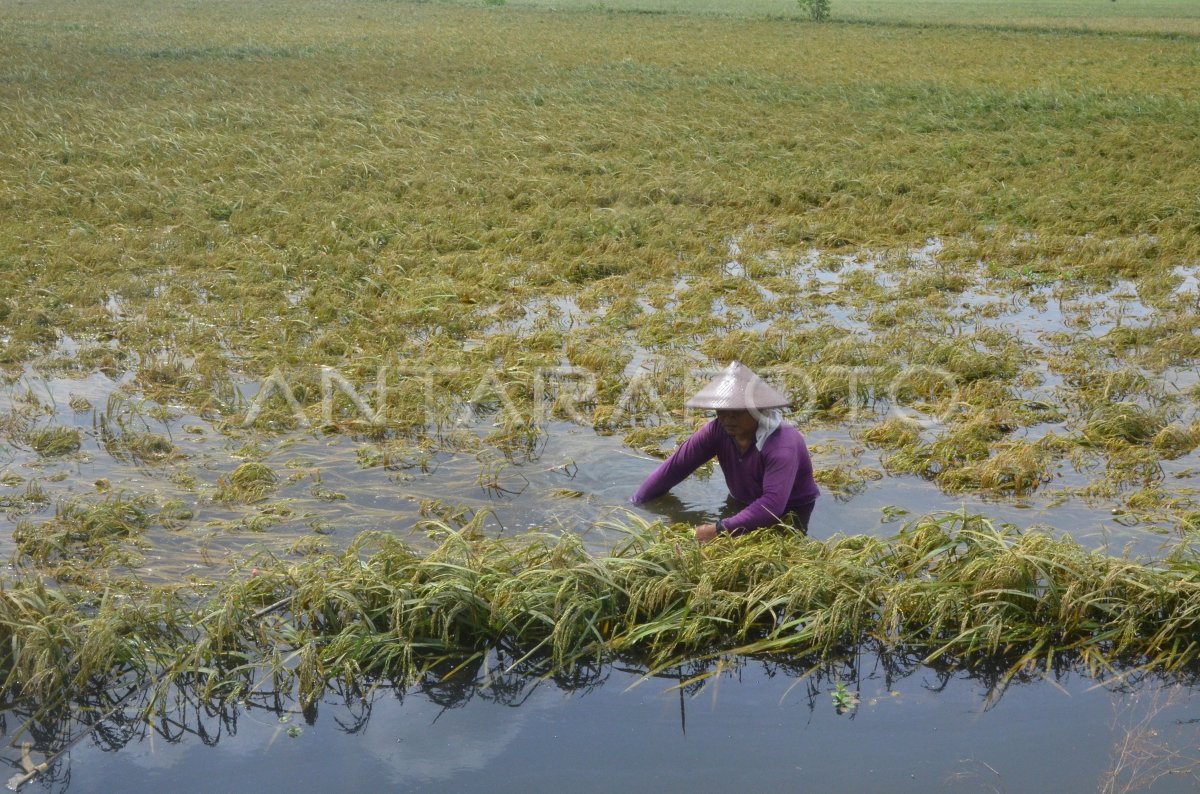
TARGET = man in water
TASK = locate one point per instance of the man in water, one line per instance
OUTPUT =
(764, 459)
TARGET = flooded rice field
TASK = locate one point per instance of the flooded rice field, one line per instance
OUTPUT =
(213, 489)
(875, 437)
(335, 339)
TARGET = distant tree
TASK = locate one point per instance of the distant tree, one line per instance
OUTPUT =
(817, 10)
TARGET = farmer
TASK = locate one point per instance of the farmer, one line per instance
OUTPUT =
(764, 459)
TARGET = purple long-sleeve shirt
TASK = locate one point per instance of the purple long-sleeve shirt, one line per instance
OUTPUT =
(770, 482)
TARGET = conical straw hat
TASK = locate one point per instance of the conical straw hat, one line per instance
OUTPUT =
(738, 388)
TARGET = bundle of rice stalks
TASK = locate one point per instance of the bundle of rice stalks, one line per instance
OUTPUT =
(947, 586)
(1121, 423)
(80, 530)
(54, 441)
(249, 482)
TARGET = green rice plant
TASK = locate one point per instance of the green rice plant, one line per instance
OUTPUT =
(969, 362)
(140, 447)
(249, 482)
(263, 520)
(892, 433)
(843, 481)
(175, 514)
(125, 433)
(923, 285)
(1134, 465)
(1189, 522)
(1125, 384)
(1017, 467)
(1175, 441)
(1146, 499)
(834, 396)
(930, 390)
(163, 378)
(649, 439)
(912, 458)
(444, 515)
(40, 626)
(54, 441)
(1121, 423)
(91, 531)
(1173, 346)
(967, 441)
(33, 498)
(953, 587)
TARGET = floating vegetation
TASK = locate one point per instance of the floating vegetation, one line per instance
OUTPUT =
(140, 447)
(1122, 423)
(1175, 441)
(249, 482)
(34, 497)
(327, 494)
(55, 441)
(267, 517)
(844, 481)
(175, 514)
(89, 531)
(892, 433)
(1018, 468)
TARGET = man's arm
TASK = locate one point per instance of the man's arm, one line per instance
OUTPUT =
(689, 456)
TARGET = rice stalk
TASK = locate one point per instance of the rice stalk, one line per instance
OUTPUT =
(949, 587)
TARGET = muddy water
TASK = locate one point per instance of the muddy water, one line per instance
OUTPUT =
(754, 728)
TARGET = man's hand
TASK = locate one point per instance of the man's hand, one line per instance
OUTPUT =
(706, 532)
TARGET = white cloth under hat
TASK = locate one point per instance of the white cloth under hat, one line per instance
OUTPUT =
(768, 422)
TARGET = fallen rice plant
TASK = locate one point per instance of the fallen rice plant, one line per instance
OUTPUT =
(55, 441)
(323, 209)
(249, 482)
(87, 532)
(352, 229)
(946, 587)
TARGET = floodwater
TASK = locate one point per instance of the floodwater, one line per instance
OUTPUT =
(754, 727)
(575, 481)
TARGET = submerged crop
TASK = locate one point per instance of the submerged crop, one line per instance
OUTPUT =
(267, 286)
(393, 260)
(948, 587)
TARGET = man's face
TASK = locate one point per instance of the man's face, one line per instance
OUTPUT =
(737, 423)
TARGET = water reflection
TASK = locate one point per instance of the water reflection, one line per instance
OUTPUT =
(502, 725)
(672, 508)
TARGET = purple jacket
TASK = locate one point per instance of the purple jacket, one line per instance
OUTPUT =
(771, 482)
